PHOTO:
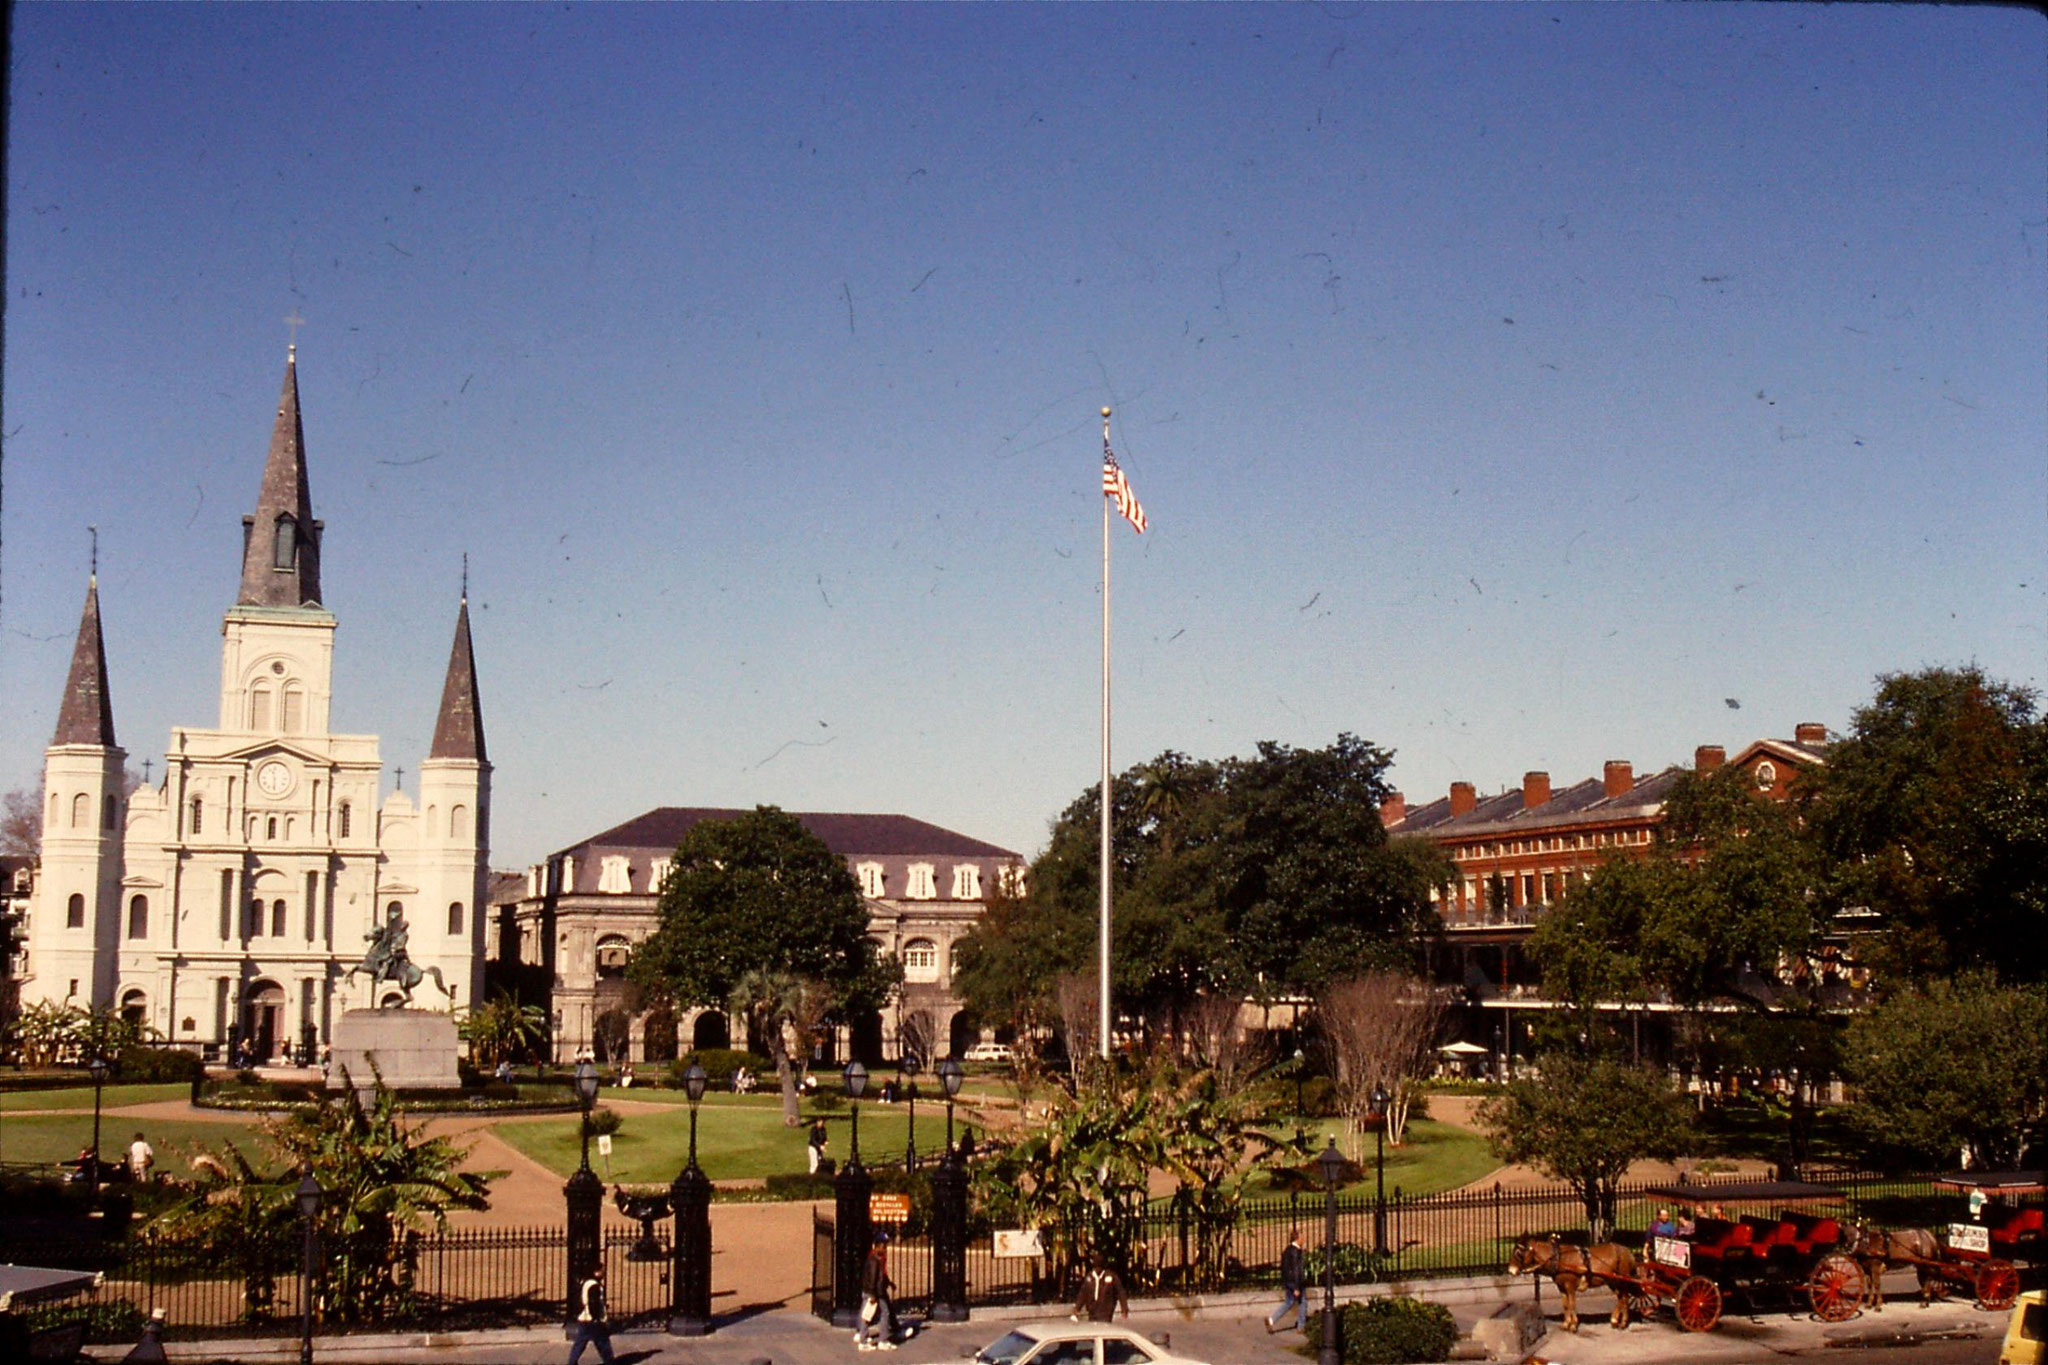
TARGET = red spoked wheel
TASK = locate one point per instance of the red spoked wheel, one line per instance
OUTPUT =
(1998, 1284)
(1698, 1304)
(1835, 1288)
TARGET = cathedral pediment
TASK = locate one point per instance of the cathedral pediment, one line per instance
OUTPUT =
(139, 882)
(264, 748)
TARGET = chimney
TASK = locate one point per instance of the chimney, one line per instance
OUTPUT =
(1463, 798)
(1620, 777)
(1810, 732)
(1393, 810)
(1535, 790)
(1708, 757)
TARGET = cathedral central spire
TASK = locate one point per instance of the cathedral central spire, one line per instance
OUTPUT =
(86, 715)
(281, 542)
(459, 728)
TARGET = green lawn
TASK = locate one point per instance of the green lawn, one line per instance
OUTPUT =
(1435, 1156)
(60, 1137)
(80, 1097)
(738, 1137)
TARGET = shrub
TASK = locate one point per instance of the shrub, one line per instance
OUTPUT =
(798, 1185)
(1392, 1331)
(143, 1065)
(719, 1063)
(248, 1076)
(604, 1121)
(1355, 1264)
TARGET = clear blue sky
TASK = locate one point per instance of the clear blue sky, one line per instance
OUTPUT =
(1512, 385)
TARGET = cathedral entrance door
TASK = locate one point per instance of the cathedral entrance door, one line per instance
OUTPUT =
(266, 1020)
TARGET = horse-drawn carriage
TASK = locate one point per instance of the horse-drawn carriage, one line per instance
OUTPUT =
(1792, 1256)
(1975, 1257)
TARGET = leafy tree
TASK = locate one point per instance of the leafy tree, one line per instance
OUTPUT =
(1006, 968)
(1951, 1065)
(1584, 1122)
(21, 822)
(42, 1030)
(1933, 812)
(379, 1180)
(759, 901)
(501, 1028)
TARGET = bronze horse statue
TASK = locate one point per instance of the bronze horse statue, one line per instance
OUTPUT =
(1572, 1268)
(1877, 1250)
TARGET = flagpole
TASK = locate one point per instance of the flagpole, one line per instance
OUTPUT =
(1102, 982)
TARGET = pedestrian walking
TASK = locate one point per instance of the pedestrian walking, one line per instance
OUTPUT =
(816, 1146)
(1102, 1293)
(141, 1156)
(877, 1330)
(1293, 1280)
(591, 1325)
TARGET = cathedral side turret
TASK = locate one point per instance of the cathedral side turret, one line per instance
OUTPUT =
(226, 904)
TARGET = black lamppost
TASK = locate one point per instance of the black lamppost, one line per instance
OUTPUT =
(851, 1220)
(1331, 1164)
(584, 1195)
(1379, 1167)
(1300, 1065)
(949, 1214)
(690, 1197)
(909, 1064)
(98, 1068)
(308, 1200)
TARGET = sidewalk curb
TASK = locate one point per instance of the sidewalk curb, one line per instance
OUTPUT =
(1153, 1311)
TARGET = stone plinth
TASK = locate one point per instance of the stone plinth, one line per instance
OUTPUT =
(410, 1049)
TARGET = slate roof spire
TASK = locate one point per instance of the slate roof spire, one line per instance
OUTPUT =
(459, 728)
(281, 542)
(86, 715)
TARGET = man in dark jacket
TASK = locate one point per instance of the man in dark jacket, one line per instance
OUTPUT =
(1293, 1278)
(877, 1330)
(590, 1318)
(1102, 1293)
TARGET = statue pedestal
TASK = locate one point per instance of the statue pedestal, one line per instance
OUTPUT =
(411, 1049)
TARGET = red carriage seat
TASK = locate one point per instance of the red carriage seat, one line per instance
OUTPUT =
(1719, 1242)
(1818, 1236)
(2009, 1227)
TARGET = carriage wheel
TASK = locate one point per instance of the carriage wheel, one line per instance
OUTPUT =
(1835, 1288)
(1698, 1304)
(1998, 1284)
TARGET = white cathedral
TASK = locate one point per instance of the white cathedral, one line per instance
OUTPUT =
(228, 903)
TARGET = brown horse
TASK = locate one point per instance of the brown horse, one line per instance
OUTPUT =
(1574, 1267)
(1877, 1250)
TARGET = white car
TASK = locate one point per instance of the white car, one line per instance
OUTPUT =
(989, 1052)
(1075, 1343)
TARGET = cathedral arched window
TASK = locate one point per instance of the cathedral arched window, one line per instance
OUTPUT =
(458, 822)
(342, 822)
(138, 917)
(270, 828)
(455, 917)
(110, 809)
(81, 810)
(197, 809)
(74, 912)
(294, 708)
(277, 924)
(284, 550)
(259, 708)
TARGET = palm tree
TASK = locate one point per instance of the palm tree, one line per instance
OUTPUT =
(785, 1011)
(501, 1027)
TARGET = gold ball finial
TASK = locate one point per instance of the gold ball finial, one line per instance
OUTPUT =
(1105, 412)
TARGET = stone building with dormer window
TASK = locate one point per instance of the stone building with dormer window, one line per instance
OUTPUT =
(568, 938)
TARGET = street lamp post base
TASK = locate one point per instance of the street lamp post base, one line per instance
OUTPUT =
(689, 1327)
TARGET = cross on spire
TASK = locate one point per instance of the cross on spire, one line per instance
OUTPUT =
(465, 575)
(146, 765)
(94, 531)
(401, 778)
(293, 322)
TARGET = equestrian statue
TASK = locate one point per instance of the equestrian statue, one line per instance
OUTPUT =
(387, 960)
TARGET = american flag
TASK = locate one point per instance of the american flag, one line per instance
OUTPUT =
(1115, 485)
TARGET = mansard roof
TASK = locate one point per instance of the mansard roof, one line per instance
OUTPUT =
(285, 494)
(848, 835)
(459, 728)
(86, 714)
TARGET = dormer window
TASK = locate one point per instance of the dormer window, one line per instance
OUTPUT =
(615, 875)
(923, 886)
(657, 873)
(1766, 775)
(284, 551)
(873, 883)
(966, 882)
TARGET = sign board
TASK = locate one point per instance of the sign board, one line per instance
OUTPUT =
(1969, 1237)
(1671, 1251)
(604, 1145)
(1013, 1243)
(889, 1208)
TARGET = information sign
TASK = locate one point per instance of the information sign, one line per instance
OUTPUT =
(1672, 1251)
(1012, 1243)
(889, 1208)
(1969, 1237)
